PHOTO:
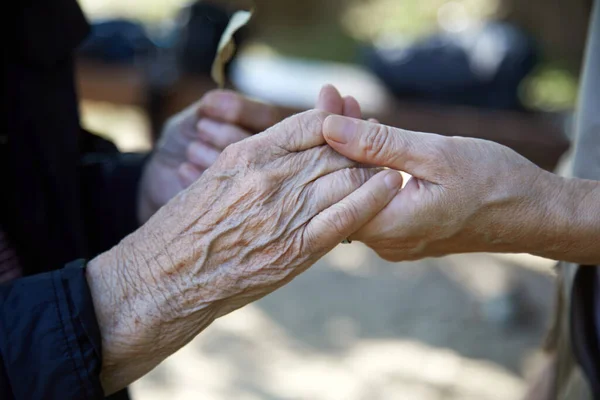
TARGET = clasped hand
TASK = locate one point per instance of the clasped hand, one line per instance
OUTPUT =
(249, 219)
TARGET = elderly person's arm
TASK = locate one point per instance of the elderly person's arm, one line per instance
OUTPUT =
(122, 190)
(469, 195)
(269, 208)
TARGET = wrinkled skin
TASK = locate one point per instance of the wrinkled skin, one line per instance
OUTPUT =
(193, 140)
(469, 195)
(268, 208)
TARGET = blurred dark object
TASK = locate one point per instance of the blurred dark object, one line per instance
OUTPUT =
(189, 47)
(539, 137)
(116, 41)
(479, 68)
(203, 25)
(160, 63)
(559, 26)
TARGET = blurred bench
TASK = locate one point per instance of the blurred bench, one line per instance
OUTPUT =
(536, 136)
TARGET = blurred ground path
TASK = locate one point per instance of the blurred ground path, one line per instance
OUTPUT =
(355, 327)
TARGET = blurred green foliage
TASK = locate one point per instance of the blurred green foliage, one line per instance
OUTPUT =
(550, 88)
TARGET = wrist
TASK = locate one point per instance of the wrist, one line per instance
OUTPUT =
(147, 302)
(549, 216)
(520, 211)
(138, 325)
(571, 224)
(123, 330)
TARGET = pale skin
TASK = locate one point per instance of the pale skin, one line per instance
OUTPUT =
(193, 140)
(469, 195)
(269, 208)
(217, 246)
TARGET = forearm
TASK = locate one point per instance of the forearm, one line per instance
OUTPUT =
(559, 219)
(159, 288)
(572, 228)
(142, 313)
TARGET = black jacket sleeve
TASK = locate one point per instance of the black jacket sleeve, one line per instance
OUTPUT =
(109, 184)
(50, 345)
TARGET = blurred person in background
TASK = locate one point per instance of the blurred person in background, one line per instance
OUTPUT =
(266, 211)
(470, 195)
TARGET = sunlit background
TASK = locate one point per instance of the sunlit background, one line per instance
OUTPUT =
(355, 327)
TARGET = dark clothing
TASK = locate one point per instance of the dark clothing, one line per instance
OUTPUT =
(66, 195)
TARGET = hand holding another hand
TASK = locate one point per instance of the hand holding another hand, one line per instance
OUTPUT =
(465, 195)
(268, 209)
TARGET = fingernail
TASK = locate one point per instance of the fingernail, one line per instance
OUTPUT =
(208, 126)
(340, 129)
(393, 180)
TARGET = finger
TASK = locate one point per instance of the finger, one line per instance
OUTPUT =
(297, 133)
(352, 108)
(386, 221)
(382, 145)
(231, 107)
(188, 173)
(202, 155)
(333, 187)
(374, 120)
(321, 161)
(330, 100)
(345, 217)
(220, 134)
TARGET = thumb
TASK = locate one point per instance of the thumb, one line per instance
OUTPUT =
(342, 219)
(376, 144)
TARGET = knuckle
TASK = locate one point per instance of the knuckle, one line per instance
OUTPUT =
(444, 153)
(234, 153)
(441, 146)
(310, 119)
(314, 114)
(347, 212)
(337, 226)
(374, 142)
(370, 201)
(266, 182)
(355, 178)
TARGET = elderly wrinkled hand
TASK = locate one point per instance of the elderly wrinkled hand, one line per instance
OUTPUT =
(193, 140)
(268, 208)
(469, 195)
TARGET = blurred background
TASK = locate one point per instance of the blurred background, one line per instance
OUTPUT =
(356, 327)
